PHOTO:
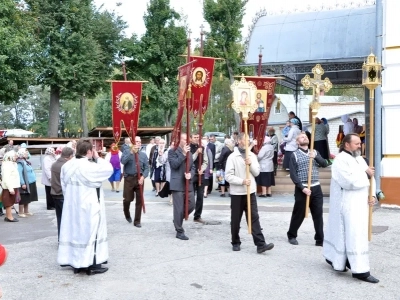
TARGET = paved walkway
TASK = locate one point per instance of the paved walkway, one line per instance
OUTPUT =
(150, 263)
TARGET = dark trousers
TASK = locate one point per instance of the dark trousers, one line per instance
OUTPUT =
(49, 197)
(131, 187)
(179, 208)
(58, 202)
(299, 209)
(199, 192)
(210, 184)
(238, 206)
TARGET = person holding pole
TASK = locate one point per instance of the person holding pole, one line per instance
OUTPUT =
(133, 180)
(177, 162)
(346, 240)
(235, 174)
(299, 166)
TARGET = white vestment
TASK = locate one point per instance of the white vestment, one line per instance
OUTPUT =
(83, 222)
(346, 236)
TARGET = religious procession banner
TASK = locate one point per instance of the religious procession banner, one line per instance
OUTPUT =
(258, 121)
(126, 100)
(201, 81)
(184, 73)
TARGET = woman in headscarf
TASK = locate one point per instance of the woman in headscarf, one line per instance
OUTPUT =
(266, 177)
(275, 145)
(225, 152)
(48, 160)
(10, 183)
(291, 144)
(27, 179)
(114, 157)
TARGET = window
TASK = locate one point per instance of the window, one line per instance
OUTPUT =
(277, 111)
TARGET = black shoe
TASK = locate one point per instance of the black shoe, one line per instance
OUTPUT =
(235, 247)
(293, 241)
(320, 244)
(370, 279)
(262, 196)
(222, 195)
(96, 271)
(51, 208)
(11, 220)
(182, 236)
(138, 225)
(269, 195)
(77, 271)
(1, 213)
(265, 248)
(129, 219)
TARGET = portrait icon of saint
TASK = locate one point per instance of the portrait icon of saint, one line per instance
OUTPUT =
(199, 77)
(126, 103)
(260, 103)
(244, 98)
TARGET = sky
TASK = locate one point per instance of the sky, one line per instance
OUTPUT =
(132, 11)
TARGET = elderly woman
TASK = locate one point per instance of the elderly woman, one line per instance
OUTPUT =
(159, 175)
(10, 183)
(275, 145)
(266, 177)
(291, 144)
(225, 152)
(48, 160)
(27, 179)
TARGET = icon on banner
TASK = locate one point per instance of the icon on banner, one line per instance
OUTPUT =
(126, 102)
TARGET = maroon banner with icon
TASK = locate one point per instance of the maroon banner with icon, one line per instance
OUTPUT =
(258, 121)
(201, 81)
(126, 99)
(183, 83)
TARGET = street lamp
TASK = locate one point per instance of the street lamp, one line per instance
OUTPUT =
(371, 79)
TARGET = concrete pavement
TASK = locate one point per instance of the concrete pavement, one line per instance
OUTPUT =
(150, 263)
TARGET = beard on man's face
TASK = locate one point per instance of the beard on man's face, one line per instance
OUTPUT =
(356, 153)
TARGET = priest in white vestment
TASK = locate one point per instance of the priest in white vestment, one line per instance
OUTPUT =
(83, 233)
(346, 238)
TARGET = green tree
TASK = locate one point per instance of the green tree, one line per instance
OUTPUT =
(156, 59)
(224, 41)
(73, 63)
(16, 47)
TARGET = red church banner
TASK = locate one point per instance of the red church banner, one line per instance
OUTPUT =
(126, 99)
(201, 80)
(184, 80)
(258, 121)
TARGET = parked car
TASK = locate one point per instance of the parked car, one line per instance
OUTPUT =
(219, 136)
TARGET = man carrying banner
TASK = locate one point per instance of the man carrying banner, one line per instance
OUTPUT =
(133, 180)
(234, 173)
(177, 161)
(198, 186)
(299, 165)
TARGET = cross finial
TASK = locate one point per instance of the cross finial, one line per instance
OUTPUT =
(261, 49)
(202, 28)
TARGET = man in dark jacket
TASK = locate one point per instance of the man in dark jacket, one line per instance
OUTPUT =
(56, 190)
(177, 161)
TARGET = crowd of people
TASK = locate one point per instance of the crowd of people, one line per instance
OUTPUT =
(73, 178)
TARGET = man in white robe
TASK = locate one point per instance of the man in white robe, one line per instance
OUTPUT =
(346, 238)
(83, 233)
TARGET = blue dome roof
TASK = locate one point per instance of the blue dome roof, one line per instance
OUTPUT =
(323, 36)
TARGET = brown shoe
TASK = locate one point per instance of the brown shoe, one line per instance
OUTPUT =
(199, 220)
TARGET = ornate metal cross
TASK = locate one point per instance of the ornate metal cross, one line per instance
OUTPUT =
(317, 83)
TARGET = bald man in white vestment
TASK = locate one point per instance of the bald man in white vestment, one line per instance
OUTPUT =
(346, 238)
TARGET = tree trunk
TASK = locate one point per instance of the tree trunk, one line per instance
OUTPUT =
(83, 116)
(54, 111)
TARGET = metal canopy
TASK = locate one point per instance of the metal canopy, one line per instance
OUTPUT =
(292, 44)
